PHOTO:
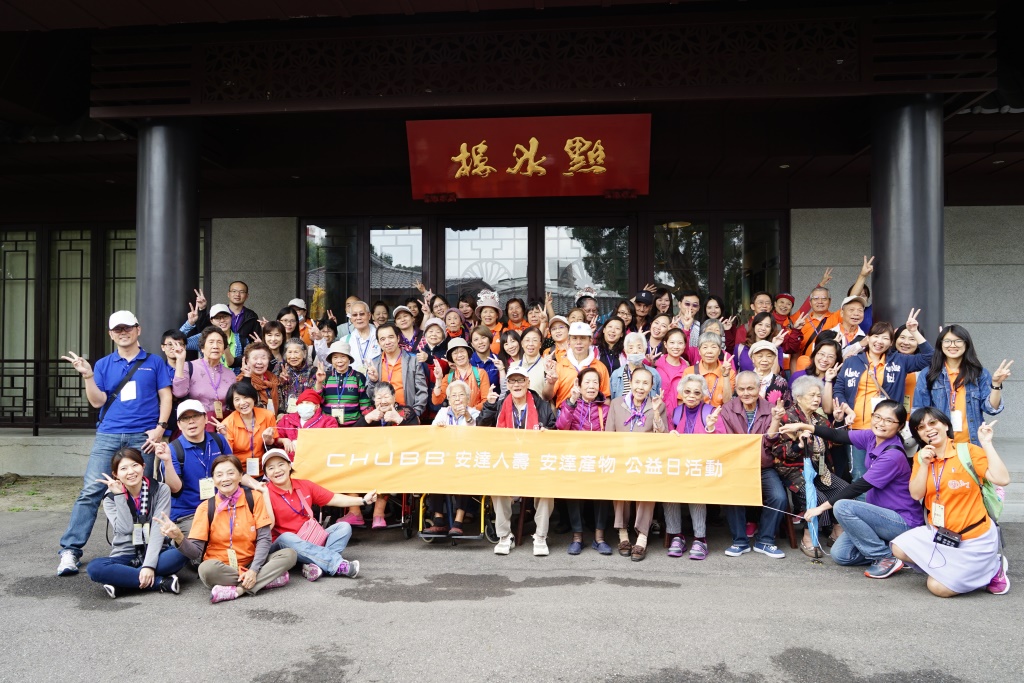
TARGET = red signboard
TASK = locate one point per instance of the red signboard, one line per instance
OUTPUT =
(544, 156)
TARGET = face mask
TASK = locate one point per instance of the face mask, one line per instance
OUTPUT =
(305, 411)
(301, 318)
(635, 358)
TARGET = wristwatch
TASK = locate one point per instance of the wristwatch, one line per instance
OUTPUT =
(162, 424)
(995, 388)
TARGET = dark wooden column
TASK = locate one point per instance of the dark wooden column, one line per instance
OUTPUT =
(167, 216)
(906, 210)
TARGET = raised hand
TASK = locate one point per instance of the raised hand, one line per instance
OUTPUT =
(113, 485)
(498, 365)
(832, 372)
(221, 428)
(826, 278)
(574, 394)
(658, 400)
(868, 266)
(421, 357)
(778, 412)
(912, 320)
(780, 337)
(419, 286)
(650, 288)
(727, 323)
(330, 316)
(850, 415)
(268, 435)
(80, 364)
(652, 358)
(161, 450)
(438, 372)
(373, 416)
(314, 331)
(245, 368)
(492, 395)
(169, 529)
(800, 322)
(927, 454)
(263, 322)
(193, 315)
(200, 299)
(550, 367)
(392, 416)
(321, 374)
(548, 298)
(985, 433)
(713, 419)
(1002, 373)
(371, 373)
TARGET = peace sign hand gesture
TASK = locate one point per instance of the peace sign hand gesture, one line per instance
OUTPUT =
(80, 364)
(868, 266)
(221, 428)
(799, 323)
(200, 299)
(113, 485)
(713, 419)
(193, 315)
(985, 433)
(831, 373)
(780, 337)
(321, 374)
(1002, 373)
(727, 323)
(826, 278)
(657, 401)
(330, 316)
(169, 529)
(314, 331)
(912, 320)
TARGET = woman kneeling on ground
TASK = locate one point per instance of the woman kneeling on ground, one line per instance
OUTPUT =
(138, 558)
(889, 511)
(232, 540)
(290, 501)
(955, 509)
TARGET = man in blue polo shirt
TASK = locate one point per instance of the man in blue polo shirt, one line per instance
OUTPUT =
(132, 390)
(186, 471)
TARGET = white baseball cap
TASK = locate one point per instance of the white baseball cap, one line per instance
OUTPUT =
(517, 370)
(121, 318)
(190, 406)
(434, 321)
(763, 346)
(275, 453)
(559, 319)
(298, 303)
(402, 309)
(580, 329)
(217, 309)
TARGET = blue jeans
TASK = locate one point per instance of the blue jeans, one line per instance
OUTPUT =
(576, 514)
(327, 557)
(117, 570)
(87, 505)
(857, 468)
(773, 494)
(867, 530)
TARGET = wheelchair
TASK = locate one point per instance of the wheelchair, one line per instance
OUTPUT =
(398, 514)
(479, 517)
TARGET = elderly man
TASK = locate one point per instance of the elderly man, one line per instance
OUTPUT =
(748, 413)
(363, 337)
(399, 369)
(848, 332)
(132, 390)
(519, 408)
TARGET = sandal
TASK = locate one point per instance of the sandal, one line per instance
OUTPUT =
(639, 553)
(456, 529)
(625, 548)
(810, 551)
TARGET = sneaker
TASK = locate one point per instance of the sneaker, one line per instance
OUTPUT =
(111, 591)
(699, 550)
(676, 548)
(311, 572)
(883, 568)
(379, 523)
(735, 550)
(223, 593)
(353, 519)
(770, 550)
(751, 530)
(170, 584)
(1000, 583)
(575, 548)
(68, 563)
(540, 546)
(601, 547)
(347, 568)
(279, 581)
(504, 545)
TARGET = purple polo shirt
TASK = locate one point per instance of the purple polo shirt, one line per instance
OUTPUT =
(888, 472)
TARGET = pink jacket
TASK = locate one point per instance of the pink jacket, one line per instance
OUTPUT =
(583, 417)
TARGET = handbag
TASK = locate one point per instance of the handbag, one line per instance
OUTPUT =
(311, 531)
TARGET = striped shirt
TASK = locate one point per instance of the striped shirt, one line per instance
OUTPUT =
(345, 396)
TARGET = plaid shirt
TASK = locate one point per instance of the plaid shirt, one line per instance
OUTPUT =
(345, 395)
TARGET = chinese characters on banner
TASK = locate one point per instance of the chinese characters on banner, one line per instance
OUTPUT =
(530, 157)
(716, 469)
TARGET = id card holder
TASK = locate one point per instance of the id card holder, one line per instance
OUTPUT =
(270, 406)
(956, 418)
(938, 515)
(232, 558)
(129, 392)
(137, 536)
(145, 532)
(252, 467)
(206, 488)
(218, 409)
(293, 404)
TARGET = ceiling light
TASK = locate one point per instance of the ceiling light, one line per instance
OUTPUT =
(783, 165)
(999, 161)
(677, 224)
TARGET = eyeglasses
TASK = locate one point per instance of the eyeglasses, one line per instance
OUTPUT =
(190, 418)
(953, 343)
(690, 304)
(884, 420)
(121, 329)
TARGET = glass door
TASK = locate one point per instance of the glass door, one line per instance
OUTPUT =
(578, 256)
(494, 257)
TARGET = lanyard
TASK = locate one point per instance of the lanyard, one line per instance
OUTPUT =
(209, 376)
(529, 369)
(252, 433)
(209, 457)
(341, 382)
(285, 499)
(385, 365)
(938, 479)
(231, 527)
(363, 348)
(952, 389)
(518, 421)
(750, 421)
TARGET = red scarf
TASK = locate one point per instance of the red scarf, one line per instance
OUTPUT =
(505, 419)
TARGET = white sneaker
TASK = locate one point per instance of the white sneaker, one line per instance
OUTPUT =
(111, 591)
(540, 546)
(505, 544)
(68, 563)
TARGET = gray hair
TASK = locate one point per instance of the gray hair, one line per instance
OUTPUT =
(457, 384)
(385, 387)
(295, 341)
(748, 374)
(633, 337)
(709, 338)
(695, 379)
(365, 305)
(803, 385)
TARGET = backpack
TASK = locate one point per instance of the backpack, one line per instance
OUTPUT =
(211, 511)
(179, 453)
(993, 503)
(476, 376)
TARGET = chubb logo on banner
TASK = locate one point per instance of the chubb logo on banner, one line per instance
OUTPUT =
(699, 468)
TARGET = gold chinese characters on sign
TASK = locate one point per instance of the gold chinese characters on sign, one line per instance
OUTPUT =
(584, 157)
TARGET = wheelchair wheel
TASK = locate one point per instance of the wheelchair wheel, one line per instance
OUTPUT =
(490, 533)
(427, 539)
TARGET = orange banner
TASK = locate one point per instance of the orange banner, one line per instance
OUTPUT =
(716, 469)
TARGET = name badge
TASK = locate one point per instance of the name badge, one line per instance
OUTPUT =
(206, 488)
(128, 393)
(270, 406)
(137, 536)
(956, 418)
(293, 405)
(252, 467)
(218, 409)
(938, 515)
(232, 558)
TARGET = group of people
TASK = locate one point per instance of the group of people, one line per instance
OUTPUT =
(829, 391)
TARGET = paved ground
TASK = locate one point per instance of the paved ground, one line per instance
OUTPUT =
(429, 613)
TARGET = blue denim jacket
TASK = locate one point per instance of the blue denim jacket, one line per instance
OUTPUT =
(977, 398)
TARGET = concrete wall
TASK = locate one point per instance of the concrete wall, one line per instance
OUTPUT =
(54, 453)
(262, 251)
(984, 268)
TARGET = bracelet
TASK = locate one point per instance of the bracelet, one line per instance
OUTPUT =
(995, 388)
(89, 376)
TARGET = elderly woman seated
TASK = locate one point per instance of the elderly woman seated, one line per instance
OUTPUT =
(458, 413)
(387, 412)
(789, 452)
